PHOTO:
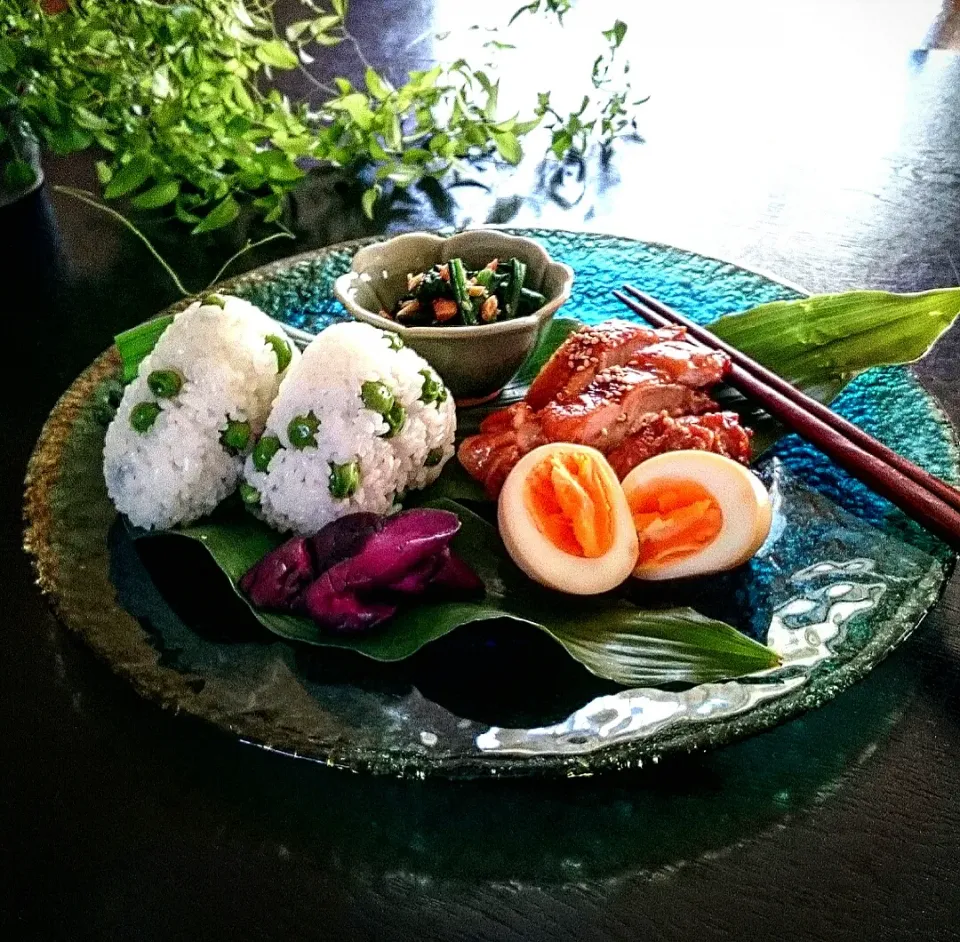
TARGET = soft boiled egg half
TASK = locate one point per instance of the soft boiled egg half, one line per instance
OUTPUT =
(695, 512)
(565, 520)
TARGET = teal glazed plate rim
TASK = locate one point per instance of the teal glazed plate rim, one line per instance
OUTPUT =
(833, 596)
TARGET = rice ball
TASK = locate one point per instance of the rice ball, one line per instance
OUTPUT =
(359, 421)
(201, 398)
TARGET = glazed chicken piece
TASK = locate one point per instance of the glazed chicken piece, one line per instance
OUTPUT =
(719, 432)
(615, 405)
(629, 391)
(504, 438)
(584, 354)
(683, 362)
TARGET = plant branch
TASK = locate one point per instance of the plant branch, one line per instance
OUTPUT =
(315, 82)
(85, 196)
(249, 247)
(364, 61)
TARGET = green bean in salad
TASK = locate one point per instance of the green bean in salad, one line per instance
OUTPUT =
(450, 294)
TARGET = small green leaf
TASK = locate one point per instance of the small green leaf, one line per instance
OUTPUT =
(8, 58)
(508, 147)
(356, 106)
(394, 132)
(339, 7)
(160, 82)
(18, 174)
(379, 88)
(183, 213)
(278, 166)
(369, 199)
(133, 174)
(561, 143)
(404, 174)
(64, 141)
(278, 54)
(104, 172)
(416, 155)
(296, 30)
(616, 33)
(240, 11)
(156, 196)
(221, 215)
(240, 94)
(87, 119)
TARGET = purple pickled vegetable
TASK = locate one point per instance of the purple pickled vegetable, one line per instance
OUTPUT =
(342, 538)
(344, 613)
(350, 576)
(455, 576)
(420, 578)
(405, 544)
(280, 578)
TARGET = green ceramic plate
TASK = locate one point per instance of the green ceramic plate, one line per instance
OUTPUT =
(843, 580)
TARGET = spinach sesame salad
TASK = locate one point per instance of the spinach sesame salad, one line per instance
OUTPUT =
(451, 295)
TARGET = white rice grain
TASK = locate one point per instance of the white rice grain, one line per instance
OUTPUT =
(178, 470)
(294, 489)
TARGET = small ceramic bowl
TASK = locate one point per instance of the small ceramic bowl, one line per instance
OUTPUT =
(475, 362)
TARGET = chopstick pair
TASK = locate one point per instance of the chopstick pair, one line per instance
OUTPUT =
(928, 500)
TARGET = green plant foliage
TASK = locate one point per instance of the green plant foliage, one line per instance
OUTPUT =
(177, 96)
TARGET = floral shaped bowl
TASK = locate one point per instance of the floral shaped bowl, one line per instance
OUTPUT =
(475, 362)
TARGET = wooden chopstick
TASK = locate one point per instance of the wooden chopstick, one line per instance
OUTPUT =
(793, 408)
(857, 435)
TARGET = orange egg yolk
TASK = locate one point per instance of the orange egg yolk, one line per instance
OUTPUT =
(568, 499)
(674, 519)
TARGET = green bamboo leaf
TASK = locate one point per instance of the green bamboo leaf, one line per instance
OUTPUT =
(833, 337)
(221, 215)
(133, 174)
(156, 196)
(135, 345)
(677, 645)
(821, 343)
(611, 637)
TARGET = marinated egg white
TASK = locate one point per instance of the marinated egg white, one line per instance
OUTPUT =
(565, 520)
(695, 513)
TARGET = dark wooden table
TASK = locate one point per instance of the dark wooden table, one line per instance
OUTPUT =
(831, 158)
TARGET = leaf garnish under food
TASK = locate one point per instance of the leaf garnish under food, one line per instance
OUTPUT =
(136, 344)
(823, 342)
(607, 634)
